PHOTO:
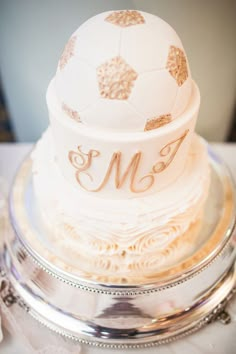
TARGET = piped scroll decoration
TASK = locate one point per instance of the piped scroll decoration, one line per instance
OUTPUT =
(82, 161)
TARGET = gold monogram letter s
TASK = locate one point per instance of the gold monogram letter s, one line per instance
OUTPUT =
(82, 161)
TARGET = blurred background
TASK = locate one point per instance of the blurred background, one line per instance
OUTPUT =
(33, 34)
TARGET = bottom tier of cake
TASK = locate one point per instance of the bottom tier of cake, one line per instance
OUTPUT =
(126, 238)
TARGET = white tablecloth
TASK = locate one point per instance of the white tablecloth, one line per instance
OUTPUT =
(215, 338)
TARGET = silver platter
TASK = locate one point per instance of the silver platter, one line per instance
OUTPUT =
(176, 301)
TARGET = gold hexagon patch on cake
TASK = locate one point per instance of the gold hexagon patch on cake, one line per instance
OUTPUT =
(157, 122)
(68, 52)
(116, 79)
(125, 18)
(177, 65)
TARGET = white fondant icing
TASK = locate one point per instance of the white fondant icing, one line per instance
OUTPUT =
(97, 41)
(145, 49)
(182, 98)
(130, 118)
(153, 101)
(69, 88)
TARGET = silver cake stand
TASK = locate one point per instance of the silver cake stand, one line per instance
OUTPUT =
(176, 301)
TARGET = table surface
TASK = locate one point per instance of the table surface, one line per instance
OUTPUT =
(215, 338)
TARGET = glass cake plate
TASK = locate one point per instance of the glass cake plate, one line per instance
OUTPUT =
(177, 300)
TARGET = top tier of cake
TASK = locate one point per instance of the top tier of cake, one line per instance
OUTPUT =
(124, 71)
(123, 106)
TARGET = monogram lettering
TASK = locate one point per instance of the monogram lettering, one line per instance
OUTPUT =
(169, 150)
(82, 161)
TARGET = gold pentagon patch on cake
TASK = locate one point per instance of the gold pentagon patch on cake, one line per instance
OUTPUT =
(68, 52)
(116, 79)
(71, 113)
(177, 65)
(157, 122)
(125, 18)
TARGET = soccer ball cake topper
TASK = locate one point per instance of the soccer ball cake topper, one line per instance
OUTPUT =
(123, 71)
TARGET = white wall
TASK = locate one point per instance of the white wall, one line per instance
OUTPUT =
(33, 34)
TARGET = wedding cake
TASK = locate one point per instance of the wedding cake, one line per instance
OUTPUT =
(120, 176)
(122, 220)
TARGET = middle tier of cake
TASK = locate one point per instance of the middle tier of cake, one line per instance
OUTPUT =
(118, 238)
